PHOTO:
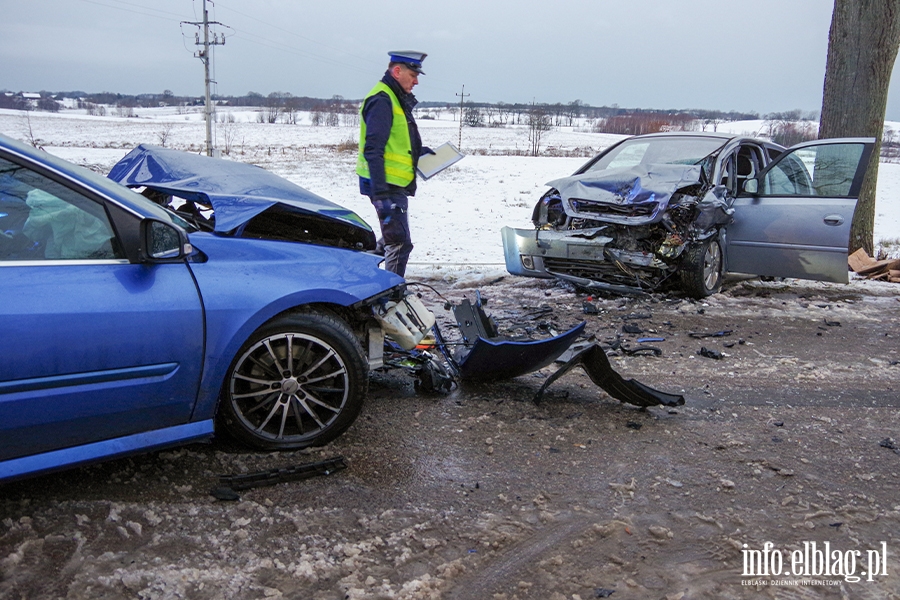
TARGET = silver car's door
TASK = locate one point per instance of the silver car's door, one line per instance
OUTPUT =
(796, 222)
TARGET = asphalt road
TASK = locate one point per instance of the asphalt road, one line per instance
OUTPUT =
(480, 493)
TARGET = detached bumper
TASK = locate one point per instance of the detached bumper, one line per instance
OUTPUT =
(583, 257)
(535, 252)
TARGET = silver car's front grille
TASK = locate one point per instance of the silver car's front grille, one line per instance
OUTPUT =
(599, 209)
(597, 270)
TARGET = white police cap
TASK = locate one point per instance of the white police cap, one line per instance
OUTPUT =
(411, 59)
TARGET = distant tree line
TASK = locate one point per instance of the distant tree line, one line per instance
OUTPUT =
(501, 114)
(475, 114)
(18, 102)
(786, 128)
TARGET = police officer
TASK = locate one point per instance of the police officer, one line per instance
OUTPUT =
(389, 150)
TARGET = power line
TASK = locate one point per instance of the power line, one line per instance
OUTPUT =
(246, 36)
(260, 40)
(368, 60)
(297, 35)
(145, 14)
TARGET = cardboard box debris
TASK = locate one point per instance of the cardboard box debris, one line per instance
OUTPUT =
(888, 270)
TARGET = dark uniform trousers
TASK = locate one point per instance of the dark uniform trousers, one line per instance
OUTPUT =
(396, 241)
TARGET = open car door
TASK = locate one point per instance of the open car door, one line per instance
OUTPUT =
(793, 220)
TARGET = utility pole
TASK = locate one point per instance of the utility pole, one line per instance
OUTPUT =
(203, 55)
(462, 96)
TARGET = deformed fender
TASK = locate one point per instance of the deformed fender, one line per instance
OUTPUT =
(595, 363)
(504, 359)
(486, 355)
(713, 210)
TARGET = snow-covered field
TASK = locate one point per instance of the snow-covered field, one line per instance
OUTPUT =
(456, 216)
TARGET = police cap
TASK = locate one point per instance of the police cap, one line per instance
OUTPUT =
(411, 59)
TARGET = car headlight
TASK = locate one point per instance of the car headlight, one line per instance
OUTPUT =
(528, 262)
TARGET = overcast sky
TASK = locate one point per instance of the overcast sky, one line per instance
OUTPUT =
(763, 56)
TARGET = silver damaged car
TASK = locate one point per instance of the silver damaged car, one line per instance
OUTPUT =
(679, 210)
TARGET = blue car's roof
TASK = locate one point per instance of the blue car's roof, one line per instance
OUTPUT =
(236, 191)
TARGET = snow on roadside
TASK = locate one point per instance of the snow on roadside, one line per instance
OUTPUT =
(456, 216)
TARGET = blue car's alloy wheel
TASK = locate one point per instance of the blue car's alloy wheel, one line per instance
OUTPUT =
(299, 381)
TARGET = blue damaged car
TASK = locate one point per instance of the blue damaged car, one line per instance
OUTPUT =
(214, 296)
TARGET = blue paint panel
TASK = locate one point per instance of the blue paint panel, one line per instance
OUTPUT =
(101, 358)
(245, 283)
(43, 384)
(76, 338)
(237, 191)
(495, 359)
(88, 453)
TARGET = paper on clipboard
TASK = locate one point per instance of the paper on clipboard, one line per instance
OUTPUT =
(432, 164)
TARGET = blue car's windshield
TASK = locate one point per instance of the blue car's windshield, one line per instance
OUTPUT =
(661, 150)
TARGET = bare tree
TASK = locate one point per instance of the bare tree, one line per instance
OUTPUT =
(574, 110)
(229, 129)
(29, 132)
(490, 114)
(472, 116)
(539, 121)
(272, 108)
(289, 109)
(164, 134)
(95, 110)
(862, 48)
(351, 117)
(124, 110)
(714, 123)
(48, 104)
(504, 111)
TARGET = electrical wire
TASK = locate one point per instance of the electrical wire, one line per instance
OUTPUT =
(430, 287)
(267, 43)
(141, 6)
(297, 35)
(363, 67)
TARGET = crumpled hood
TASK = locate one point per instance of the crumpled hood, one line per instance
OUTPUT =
(650, 187)
(236, 191)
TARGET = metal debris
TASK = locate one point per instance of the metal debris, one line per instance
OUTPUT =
(594, 362)
(245, 481)
(708, 353)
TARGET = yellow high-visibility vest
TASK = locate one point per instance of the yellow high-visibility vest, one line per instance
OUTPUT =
(398, 162)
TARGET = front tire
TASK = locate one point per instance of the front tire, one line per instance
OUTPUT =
(702, 269)
(298, 381)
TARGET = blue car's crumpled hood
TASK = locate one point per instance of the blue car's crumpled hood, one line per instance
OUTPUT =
(650, 186)
(236, 191)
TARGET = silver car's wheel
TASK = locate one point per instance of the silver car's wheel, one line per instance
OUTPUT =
(298, 382)
(712, 266)
(702, 269)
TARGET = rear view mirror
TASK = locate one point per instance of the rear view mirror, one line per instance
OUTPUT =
(163, 241)
(751, 186)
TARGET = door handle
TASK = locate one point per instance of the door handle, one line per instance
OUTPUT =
(834, 220)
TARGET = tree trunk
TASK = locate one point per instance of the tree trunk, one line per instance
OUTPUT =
(862, 48)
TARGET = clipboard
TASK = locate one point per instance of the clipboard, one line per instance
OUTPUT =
(432, 164)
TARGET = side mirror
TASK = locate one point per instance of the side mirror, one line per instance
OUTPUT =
(751, 186)
(162, 241)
